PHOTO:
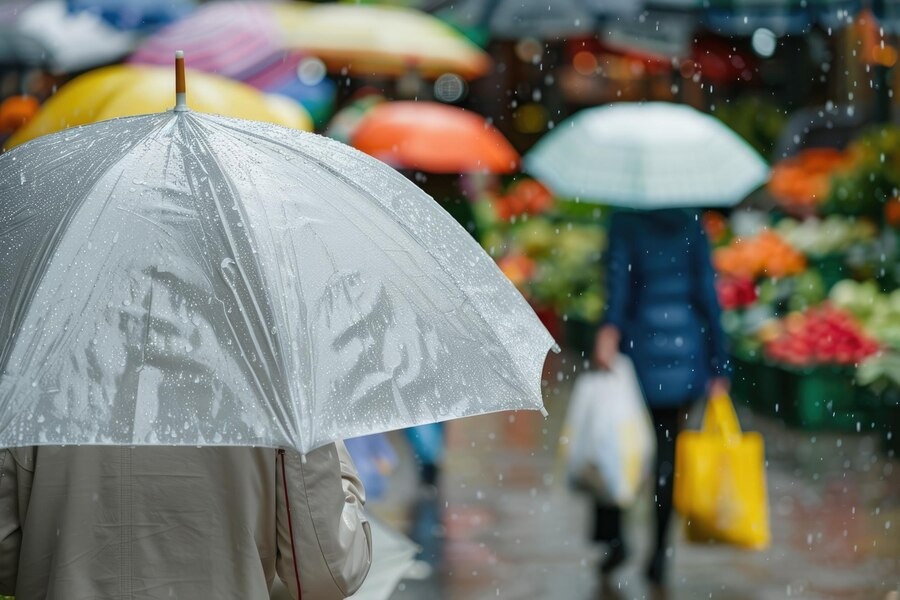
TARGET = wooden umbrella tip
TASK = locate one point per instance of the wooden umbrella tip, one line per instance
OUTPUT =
(180, 88)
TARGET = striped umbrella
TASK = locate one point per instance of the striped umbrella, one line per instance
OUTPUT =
(242, 41)
(239, 40)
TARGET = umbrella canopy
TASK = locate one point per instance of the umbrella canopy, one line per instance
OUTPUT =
(45, 34)
(133, 90)
(190, 279)
(242, 41)
(315, 93)
(380, 40)
(647, 155)
(134, 14)
(433, 137)
(239, 40)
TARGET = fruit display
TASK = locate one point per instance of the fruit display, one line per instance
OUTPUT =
(819, 328)
(518, 268)
(824, 335)
(892, 212)
(552, 257)
(525, 197)
(834, 234)
(791, 294)
(881, 371)
(716, 226)
(873, 177)
(878, 313)
(802, 182)
(570, 277)
(735, 292)
(766, 254)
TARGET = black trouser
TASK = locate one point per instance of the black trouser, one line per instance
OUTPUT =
(608, 519)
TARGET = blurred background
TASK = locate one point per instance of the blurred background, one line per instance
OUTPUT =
(454, 93)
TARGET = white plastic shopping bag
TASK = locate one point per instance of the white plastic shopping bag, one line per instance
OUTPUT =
(608, 436)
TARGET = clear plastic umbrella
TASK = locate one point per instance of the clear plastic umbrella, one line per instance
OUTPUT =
(647, 156)
(188, 279)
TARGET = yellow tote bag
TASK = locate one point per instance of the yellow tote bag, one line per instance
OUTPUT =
(720, 480)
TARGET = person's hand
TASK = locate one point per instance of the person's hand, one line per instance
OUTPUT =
(719, 386)
(606, 346)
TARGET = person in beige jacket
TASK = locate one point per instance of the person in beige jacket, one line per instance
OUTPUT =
(146, 523)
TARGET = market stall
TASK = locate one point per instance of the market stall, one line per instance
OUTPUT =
(810, 288)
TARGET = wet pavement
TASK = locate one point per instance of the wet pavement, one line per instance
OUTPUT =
(503, 524)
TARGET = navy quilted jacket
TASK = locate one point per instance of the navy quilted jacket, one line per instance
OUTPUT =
(662, 298)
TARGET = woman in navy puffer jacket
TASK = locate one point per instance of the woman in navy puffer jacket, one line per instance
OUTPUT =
(663, 313)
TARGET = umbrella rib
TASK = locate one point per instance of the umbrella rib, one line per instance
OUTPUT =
(269, 342)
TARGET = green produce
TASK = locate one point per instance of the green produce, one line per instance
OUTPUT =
(808, 289)
(569, 276)
(880, 372)
(536, 237)
(755, 119)
(795, 293)
(554, 258)
(879, 313)
(832, 235)
(874, 177)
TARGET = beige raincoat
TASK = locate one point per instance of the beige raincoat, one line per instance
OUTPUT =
(81, 523)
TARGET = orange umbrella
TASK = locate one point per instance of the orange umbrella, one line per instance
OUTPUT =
(433, 137)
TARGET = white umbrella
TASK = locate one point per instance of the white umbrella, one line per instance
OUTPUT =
(46, 33)
(189, 279)
(648, 156)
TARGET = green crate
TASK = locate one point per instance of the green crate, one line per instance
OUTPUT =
(824, 398)
(868, 406)
(579, 336)
(744, 380)
(832, 268)
(889, 421)
(769, 399)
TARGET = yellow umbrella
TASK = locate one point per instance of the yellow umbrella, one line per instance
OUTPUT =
(384, 40)
(125, 90)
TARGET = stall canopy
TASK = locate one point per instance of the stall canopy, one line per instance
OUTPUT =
(783, 17)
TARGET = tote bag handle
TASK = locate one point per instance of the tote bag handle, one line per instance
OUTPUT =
(720, 417)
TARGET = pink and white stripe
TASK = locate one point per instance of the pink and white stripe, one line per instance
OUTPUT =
(240, 40)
